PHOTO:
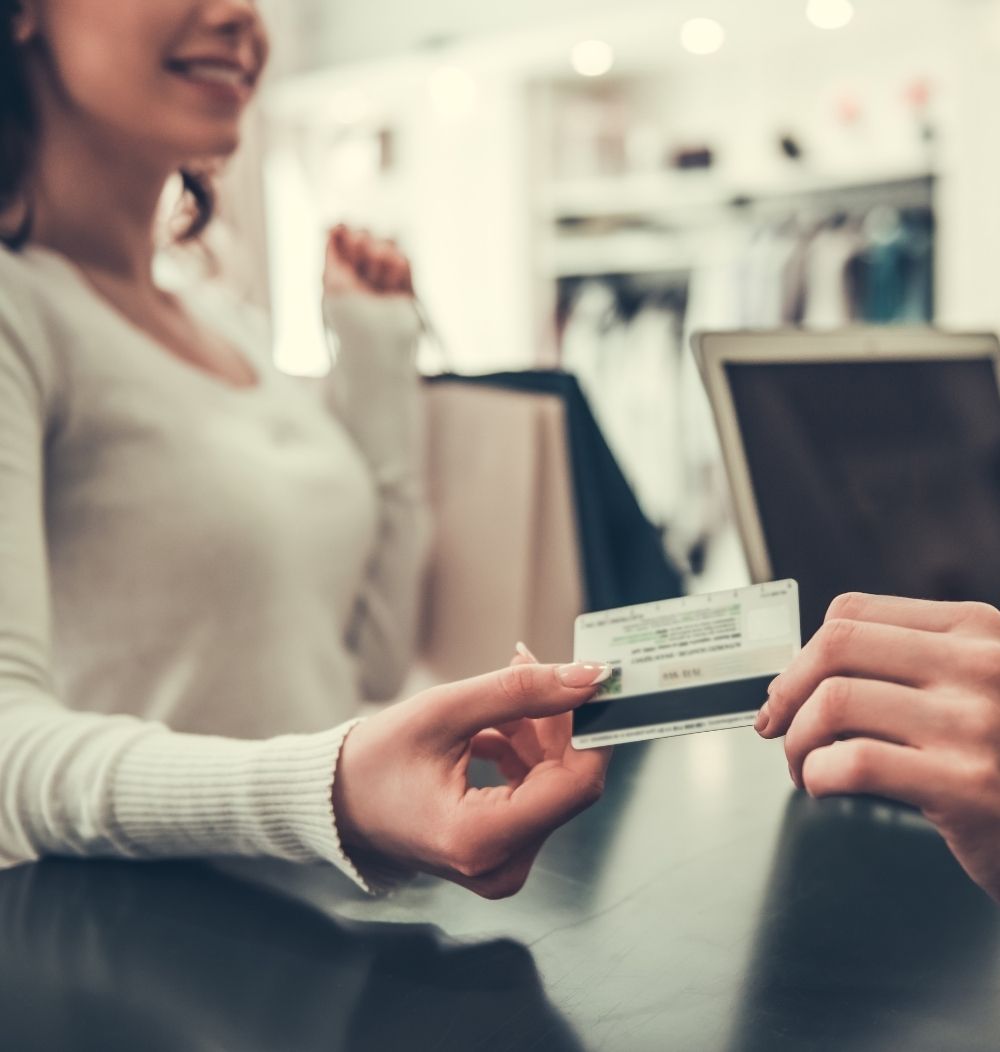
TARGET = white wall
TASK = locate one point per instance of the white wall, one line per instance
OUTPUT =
(969, 211)
(466, 212)
(354, 32)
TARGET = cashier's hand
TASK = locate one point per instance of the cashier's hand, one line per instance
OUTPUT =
(900, 698)
(358, 262)
(402, 792)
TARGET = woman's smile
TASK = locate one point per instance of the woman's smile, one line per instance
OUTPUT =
(222, 77)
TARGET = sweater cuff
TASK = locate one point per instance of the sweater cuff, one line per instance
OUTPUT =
(184, 794)
(374, 387)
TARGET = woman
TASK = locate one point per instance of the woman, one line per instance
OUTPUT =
(203, 568)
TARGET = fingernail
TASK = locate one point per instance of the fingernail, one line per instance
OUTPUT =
(525, 652)
(763, 719)
(581, 674)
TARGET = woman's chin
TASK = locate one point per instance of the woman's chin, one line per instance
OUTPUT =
(217, 142)
(219, 146)
(227, 147)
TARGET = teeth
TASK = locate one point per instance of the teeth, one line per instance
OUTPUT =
(214, 73)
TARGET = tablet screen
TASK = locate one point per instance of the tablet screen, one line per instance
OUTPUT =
(875, 476)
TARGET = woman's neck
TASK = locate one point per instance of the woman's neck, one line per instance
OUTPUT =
(94, 204)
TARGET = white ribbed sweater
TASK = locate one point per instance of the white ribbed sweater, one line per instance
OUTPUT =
(197, 582)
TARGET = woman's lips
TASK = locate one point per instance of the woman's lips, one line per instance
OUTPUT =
(222, 80)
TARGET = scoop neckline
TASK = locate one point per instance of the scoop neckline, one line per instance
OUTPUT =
(179, 365)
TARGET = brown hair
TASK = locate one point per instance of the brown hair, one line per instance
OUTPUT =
(19, 133)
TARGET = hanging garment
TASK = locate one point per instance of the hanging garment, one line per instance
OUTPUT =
(591, 327)
(883, 267)
(629, 373)
(829, 293)
(648, 435)
(772, 272)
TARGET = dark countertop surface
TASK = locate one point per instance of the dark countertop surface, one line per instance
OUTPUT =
(702, 905)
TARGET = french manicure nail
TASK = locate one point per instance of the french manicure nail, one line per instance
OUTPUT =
(525, 652)
(763, 719)
(581, 674)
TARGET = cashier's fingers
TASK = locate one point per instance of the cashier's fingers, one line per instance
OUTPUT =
(863, 766)
(847, 708)
(858, 648)
(922, 614)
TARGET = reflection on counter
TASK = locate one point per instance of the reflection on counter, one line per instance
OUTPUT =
(929, 945)
(100, 957)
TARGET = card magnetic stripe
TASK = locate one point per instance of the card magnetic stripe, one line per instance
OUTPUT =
(669, 706)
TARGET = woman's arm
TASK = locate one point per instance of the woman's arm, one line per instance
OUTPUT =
(86, 784)
(80, 784)
(370, 318)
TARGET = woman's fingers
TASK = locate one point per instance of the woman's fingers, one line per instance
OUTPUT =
(427, 816)
(842, 707)
(495, 825)
(856, 648)
(523, 734)
(335, 243)
(460, 710)
(555, 792)
(499, 749)
(404, 278)
(376, 265)
(498, 882)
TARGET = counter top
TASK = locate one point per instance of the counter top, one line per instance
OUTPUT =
(702, 906)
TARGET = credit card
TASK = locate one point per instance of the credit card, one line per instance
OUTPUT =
(698, 663)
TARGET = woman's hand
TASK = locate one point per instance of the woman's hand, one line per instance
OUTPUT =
(358, 262)
(402, 791)
(900, 698)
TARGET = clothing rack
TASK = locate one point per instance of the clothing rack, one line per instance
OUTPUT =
(907, 194)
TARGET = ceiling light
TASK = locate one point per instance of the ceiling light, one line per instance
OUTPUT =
(702, 36)
(830, 14)
(592, 58)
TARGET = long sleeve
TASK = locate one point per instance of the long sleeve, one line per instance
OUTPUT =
(376, 393)
(90, 784)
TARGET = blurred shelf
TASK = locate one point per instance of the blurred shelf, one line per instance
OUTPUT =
(625, 253)
(692, 199)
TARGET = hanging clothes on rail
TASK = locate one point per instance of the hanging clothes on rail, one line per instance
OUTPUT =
(830, 281)
(626, 357)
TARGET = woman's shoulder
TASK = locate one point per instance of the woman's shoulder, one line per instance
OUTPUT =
(29, 300)
(23, 283)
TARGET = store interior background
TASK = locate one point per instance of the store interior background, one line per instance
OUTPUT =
(581, 183)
